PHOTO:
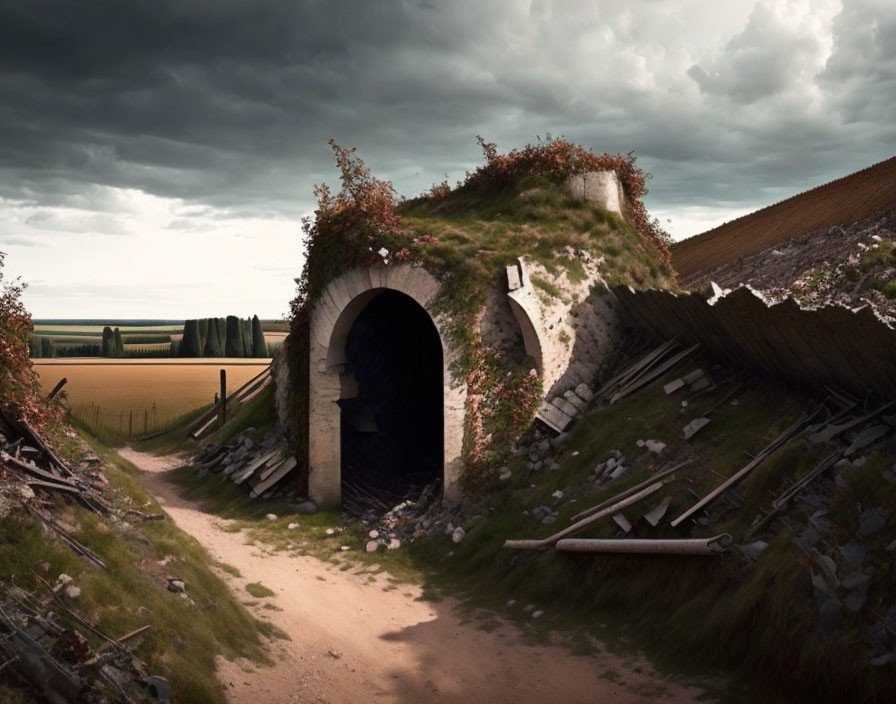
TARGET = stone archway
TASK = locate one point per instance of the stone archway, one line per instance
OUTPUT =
(332, 321)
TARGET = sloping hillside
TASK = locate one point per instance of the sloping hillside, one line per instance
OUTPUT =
(842, 202)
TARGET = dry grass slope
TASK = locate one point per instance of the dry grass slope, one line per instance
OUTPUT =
(843, 201)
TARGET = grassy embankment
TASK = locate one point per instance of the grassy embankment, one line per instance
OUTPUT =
(693, 614)
(186, 635)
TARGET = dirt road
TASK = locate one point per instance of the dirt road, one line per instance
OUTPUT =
(354, 640)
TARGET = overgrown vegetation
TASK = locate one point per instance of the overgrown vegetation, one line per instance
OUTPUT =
(20, 392)
(513, 205)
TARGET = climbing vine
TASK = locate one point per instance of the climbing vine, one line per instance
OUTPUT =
(363, 224)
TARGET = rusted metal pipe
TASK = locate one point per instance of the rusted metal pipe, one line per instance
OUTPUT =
(695, 546)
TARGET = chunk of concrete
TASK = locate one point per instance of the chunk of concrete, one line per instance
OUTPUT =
(655, 515)
(584, 392)
(513, 278)
(655, 446)
(702, 383)
(622, 522)
(691, 428)
(691, 377)
(578, 403)
(673, 386)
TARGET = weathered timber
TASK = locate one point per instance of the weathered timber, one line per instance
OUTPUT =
(67, 538)
(275, 476)
(655, 372)
(644, 361)
(831, 431)
(792, 431)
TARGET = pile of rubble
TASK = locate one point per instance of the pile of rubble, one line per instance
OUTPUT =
(263, 466)
(46, 646)
(423, 515)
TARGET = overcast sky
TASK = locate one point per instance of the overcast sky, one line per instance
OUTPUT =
(156, 156)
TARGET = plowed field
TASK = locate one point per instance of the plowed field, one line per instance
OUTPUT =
(842, 202)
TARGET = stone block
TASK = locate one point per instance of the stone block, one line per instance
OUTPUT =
(553, 417)
(566, 407)
(584, 392)
(513, 278)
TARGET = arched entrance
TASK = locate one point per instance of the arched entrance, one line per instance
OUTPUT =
(382, 409)
(391, 420)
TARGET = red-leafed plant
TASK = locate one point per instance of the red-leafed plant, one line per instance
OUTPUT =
(20, 396)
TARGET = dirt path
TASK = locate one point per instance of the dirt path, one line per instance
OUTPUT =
(353, 641)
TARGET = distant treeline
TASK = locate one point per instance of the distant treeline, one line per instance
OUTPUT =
(221, 337)
(203, 337)
(124, 322)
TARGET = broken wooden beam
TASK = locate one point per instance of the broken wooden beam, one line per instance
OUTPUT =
(792, 431)
(637, 546)
(653, 373)
(662, 474)
(275, 476)
(575, 527)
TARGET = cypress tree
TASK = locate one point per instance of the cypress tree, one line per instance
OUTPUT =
(212, 347)
(246, 334)
(203, 335)
(258, 346)
(119, 345)
(108, 342)
(234, 344)
(189, 346)
(222, 333)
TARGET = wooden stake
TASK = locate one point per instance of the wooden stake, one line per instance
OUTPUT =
(222, 402)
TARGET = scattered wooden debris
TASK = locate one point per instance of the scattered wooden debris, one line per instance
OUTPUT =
(791, 432)
(652, 373)
(243, 394)
(661, 475)
(609, 511)
(832, 430)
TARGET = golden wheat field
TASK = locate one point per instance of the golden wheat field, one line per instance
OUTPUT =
(142, 395)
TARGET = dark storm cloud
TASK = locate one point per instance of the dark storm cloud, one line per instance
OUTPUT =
(231, 103)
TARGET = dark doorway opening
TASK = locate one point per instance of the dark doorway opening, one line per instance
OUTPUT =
(392, 429)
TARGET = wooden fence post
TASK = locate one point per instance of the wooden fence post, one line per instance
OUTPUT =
(222, 404)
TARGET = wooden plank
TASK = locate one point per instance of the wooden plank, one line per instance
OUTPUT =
(211, 421)
(281, 471)
(654, 373)
(255, 392)
(242, 475)
(792, 431)
(575, 527)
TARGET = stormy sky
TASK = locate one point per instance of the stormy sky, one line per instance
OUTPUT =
(156, 157)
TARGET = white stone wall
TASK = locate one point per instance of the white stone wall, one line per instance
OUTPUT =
(600, 187)
(331, 320)
(570, 337)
